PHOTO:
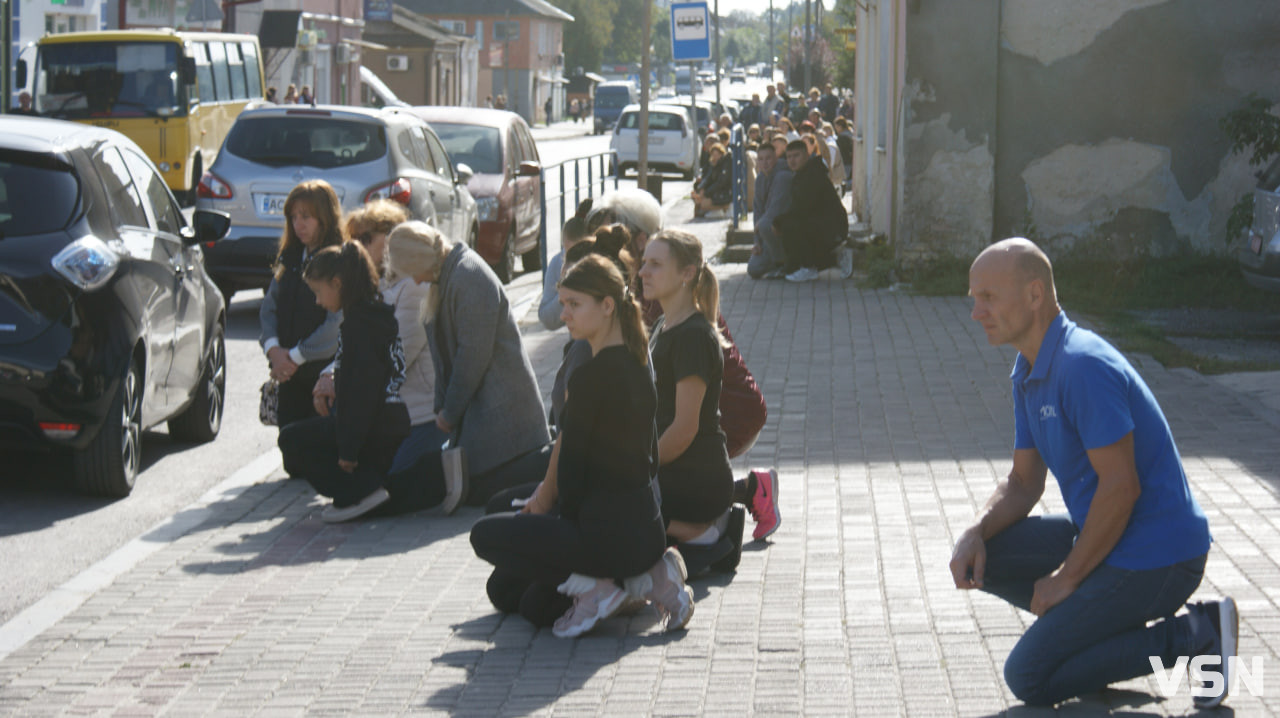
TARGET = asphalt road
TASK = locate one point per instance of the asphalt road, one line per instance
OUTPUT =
(49, 533)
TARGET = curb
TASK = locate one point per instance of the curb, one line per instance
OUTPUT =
(58, 603)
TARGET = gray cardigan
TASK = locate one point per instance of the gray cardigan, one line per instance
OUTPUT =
(485, 385)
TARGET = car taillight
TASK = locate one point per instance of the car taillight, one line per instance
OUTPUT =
(399, 191)
(211, 187)
(55, 430)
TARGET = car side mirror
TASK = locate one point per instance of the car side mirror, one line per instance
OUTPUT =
(463, 173)
(529, 169)
(211, 225)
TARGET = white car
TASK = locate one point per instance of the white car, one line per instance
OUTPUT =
(673, 143)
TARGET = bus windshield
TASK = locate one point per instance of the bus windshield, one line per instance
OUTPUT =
(108, 79)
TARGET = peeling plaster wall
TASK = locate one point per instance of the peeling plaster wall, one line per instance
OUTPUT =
(1078, 120)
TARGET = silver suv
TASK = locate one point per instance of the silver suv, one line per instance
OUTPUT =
(364, 153)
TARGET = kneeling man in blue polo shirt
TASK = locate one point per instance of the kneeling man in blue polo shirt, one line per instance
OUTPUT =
(1107, 579)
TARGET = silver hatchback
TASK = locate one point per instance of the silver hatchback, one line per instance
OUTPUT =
(364, 154)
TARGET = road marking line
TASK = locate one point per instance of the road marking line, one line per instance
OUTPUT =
(61, 601)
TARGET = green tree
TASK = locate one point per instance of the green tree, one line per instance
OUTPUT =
(1251, 125)
(628, 24)
(592, 28)
(661, 36)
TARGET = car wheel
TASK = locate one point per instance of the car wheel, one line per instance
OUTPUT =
(687, 175)
(506, 268)
(202, 419)
(228, 291)
(108, 466)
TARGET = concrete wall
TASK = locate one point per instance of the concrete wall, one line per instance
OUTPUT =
(1082, 123)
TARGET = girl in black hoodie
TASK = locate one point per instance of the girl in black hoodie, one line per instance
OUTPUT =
(346, 455)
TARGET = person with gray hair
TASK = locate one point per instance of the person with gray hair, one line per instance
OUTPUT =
(486, 394)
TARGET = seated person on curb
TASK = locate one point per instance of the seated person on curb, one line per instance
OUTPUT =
(814, 229)
(592, 531)
(773, 197)
(407, 479)
(573, 232)
(1105, 580)
(346, 454)
(486, 397)
(698, 489)
(715, 190)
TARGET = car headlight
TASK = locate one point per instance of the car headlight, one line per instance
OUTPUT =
(487, 208)
(87, 263)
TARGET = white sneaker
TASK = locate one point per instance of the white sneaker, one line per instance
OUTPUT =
(844, 259)
(803, 274)
(593, 601)
(664, 586)
(1226, 624)
(456, 481)
(333, 514)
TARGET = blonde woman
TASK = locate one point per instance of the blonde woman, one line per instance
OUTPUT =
(486, 397)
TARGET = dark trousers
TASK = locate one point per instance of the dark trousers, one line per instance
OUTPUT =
(808, 249)
(527, 467)
(1105, 632)
(310, 451)
(295, 394)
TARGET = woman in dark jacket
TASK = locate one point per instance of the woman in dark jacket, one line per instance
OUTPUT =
(715, 189)
(298, 336)
(607, 540)
(346, 455)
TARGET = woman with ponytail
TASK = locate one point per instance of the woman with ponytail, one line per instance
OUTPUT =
(346, 454)
(688, 350)
(592, 533)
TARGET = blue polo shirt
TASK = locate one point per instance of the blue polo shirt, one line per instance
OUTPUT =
(1083, 394)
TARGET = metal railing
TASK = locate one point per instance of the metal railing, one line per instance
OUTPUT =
(595, 175)
(738, 152)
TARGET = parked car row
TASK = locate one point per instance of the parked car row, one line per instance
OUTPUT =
(389, 153)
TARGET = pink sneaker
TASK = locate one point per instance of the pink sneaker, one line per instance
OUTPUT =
(764, 504)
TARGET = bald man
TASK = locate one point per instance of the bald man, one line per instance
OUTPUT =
(1131, 549)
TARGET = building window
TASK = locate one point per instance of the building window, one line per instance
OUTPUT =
(458, 26)
(506, 30)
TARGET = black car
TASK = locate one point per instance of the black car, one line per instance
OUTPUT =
(108, 323)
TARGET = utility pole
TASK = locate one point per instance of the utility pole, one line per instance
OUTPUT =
(642, 171)
(808, 82)
(786, 67)
(717, 60)
(6, 48)
(508, 105)
(771, 50)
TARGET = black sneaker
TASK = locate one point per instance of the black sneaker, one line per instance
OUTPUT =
(1222, 615)
(732, 533)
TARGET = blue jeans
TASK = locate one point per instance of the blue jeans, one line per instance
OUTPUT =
(1100, 633)
(422, 438)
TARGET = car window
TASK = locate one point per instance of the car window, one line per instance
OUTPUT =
(439, 157)
(37, 194)
(530, 153)
(126, 204)
(154, 193)
(420, 152)
(204, 71)
(657, 121)
(412, 149)
(325, 142)
(480, 148)
(221, 72)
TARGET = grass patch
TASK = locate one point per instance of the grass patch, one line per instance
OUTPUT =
(1106, 290)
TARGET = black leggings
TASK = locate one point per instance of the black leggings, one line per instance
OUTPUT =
(295, 402)
(310, 450)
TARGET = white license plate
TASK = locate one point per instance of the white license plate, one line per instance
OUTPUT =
(655, 140)
(270, 204)
(1255, 243)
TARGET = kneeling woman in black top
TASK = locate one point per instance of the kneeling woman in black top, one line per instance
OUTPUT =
(346, 454)
(688, 365)
(609, 533)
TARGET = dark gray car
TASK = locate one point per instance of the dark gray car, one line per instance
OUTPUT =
(364, 153)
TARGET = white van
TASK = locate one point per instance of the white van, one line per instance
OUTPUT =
(673, 143)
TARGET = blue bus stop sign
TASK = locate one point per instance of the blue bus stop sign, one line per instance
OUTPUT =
(690, 31)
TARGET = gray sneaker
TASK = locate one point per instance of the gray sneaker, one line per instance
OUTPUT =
(803, 274)
(844, 259)
(456, 480)
(334, 515)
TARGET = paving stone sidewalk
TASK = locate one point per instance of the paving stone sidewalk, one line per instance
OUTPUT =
(889, 422)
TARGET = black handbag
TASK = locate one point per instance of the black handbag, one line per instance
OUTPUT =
(269, 405)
